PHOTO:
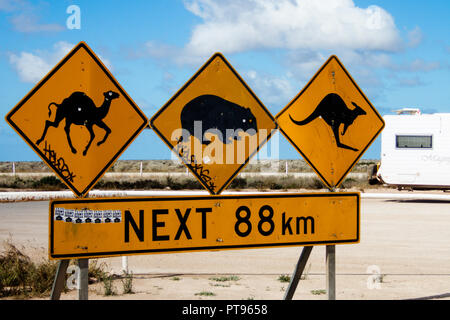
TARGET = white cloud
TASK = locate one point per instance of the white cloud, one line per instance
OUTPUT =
(416, 65)
(273, 91)
(153, 49)
(32, 67)
(304, 63)
(29, 23)
(410, 82)
(419, 65)
(415, 37)
(25, 16)
(308, 30)
(7, 5)
(241, 25)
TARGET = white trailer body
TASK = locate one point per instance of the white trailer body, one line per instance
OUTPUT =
(415, 151)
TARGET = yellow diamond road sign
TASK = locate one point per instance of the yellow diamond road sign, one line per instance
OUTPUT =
(331, 122)
(78, 119)
(214, 124)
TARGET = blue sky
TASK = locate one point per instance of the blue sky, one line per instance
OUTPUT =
(397, 51)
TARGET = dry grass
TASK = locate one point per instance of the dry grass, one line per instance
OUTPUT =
(177, 166)
(275, 182)
(19, 276)
(281, 182)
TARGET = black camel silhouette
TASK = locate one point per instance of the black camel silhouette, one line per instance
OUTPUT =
(335, 112)
(80, 109)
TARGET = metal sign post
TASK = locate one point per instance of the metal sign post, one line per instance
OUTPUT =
(330, 262)
(297, 273)
(58, 283)
(83, 279)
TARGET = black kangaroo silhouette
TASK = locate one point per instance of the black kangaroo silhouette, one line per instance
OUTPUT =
(81, 110)
(335, 112)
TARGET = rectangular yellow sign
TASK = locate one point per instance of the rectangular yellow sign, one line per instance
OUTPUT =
(102, 227)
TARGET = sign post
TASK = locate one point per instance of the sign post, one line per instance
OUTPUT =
(83, 279)
(330, 263)
(58, 282)
(296, 276)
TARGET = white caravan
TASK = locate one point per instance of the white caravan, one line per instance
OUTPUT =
(415, 150)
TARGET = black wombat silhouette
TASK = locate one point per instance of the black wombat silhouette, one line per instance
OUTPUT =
(79, 109)
(216, 114)
(333, 110)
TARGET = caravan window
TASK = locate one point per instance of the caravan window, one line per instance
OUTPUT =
(425, 142)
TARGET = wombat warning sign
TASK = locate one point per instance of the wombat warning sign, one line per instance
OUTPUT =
(214, 124)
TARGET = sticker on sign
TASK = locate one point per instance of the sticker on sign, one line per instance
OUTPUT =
(199, 223)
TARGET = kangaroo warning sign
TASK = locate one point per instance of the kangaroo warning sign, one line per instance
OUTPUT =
(214, 124)
(127, 226)
(78, 119)
(331, 122)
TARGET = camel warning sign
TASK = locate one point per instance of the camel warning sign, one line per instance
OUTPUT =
(78, 119)
(214, 124)
(331, 122)
(128, 226)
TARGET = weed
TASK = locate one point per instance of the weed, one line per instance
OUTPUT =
(221, 285)
(127, 283)
(205, 293)
(284, 278)
(20, 276)
(223, 279)
(318, 292)
(380, 278)
(238, 183)
(175, 278)
(96, 272)
(49, 183)
(42, 277)
(108, 285)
